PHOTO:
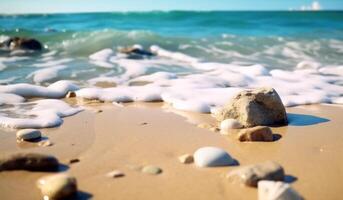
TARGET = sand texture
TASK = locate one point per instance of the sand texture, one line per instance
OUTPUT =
(131, 137)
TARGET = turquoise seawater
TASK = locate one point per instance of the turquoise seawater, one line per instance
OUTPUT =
(272, 39)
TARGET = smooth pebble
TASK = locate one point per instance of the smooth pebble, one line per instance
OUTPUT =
(276, 190)
(186, 159)
(212, 157)
(152, 170)
(28, 134)
(58, 186)
(229, 124)
(115, 174)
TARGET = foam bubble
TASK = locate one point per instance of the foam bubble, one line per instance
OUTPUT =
(7, 98)
(44, 114)
(173, 55)
(56, 90)
(102, 55)
(46, 74)
(333, 70)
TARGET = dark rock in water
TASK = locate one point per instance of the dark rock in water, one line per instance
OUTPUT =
(251, 175)
(22, 43)
(29, 161)
(255, 107)
(136, 52)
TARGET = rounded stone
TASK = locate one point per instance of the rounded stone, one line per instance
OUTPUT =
(229, 124)
(59, 186)
(115, 174)
(250, 175)
(276, 190)
(186, 159)
(29, 162)
(258, 133)
(28, 134)
(152, 170)
(212, 157)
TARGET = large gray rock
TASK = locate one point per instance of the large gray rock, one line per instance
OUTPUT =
(29, 161)
(251, 175)
(58, 186)
(255, 107)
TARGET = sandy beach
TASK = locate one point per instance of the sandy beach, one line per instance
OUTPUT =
(128, 137)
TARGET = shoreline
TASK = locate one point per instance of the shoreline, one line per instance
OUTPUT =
(138, 134)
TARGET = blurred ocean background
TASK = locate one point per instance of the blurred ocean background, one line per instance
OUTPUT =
(275, 40)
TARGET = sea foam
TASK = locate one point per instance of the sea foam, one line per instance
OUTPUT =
(56, 90)
(44, 113)
(215, 83)
(207, 86)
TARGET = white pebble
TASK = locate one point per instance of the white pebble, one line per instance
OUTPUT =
(229, 124)
(212, 157)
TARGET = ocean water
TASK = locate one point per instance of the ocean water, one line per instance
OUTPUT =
(202, 58)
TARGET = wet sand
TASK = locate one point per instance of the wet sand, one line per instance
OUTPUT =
(127, 138)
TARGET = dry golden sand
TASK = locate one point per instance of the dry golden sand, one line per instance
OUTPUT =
(127, 138)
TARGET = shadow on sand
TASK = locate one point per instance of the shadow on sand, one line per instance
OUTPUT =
(304, 120)
(81, 195)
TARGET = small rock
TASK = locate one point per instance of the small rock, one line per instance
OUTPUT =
(186, 159)
(135, 51)
(276, 190)
(28, 135)
(255, 107)
(30, 162)
(252, 174)
(152, 170)
(258, 133)
(59, 186)
(70, 94)
(115, 174)
(212, 157)
(75, 160)
(15, 43)
(45, 143)
(229, 124)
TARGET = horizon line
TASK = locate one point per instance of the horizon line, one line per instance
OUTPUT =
(176, 10)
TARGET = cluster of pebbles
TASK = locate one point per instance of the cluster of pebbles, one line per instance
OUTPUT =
(248, 116)
(250, 111)
(268, 176)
